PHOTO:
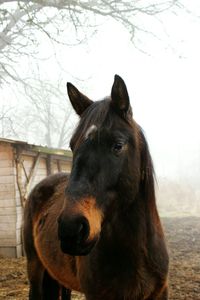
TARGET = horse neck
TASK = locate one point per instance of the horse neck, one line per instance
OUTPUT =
(132, 225)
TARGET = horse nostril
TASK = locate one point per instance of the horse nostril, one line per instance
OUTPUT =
(73, 231)
(80, 228)
(83, 231)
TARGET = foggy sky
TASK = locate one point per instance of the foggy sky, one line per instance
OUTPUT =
(163, 83)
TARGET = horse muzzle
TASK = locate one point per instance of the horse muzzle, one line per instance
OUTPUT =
(74, 236)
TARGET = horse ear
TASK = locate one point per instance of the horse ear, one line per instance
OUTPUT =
(79, 101)
(119, 97)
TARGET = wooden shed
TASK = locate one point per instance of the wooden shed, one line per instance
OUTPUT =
(22, 166)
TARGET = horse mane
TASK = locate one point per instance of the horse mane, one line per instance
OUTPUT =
(147, 168)
(147, 184)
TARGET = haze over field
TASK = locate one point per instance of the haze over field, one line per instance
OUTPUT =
(161, 69)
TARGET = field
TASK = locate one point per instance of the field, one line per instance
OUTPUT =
(183, 238)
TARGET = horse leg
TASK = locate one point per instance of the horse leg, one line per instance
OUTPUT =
(35, 276)
(161, 296)
(50, 287)
(42, 285)
(164, 294)
(66, 294)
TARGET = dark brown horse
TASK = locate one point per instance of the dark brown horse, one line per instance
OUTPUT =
(98, 231)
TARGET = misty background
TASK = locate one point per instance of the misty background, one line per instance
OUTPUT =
(153, 45)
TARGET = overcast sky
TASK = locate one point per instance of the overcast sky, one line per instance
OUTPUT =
(163, 84)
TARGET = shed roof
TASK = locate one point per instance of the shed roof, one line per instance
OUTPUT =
(37, 148)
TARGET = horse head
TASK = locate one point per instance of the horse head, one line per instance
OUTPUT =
(106, 170)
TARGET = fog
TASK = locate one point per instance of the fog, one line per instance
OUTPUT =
(162, 73)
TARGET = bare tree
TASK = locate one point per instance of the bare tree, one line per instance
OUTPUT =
(22, 22)
(46, 118)
(23, 25)
(7, 128)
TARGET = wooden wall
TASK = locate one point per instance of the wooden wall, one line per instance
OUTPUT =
(18, 175)
(7, 200)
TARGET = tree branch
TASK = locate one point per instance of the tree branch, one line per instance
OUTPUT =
(23, 19)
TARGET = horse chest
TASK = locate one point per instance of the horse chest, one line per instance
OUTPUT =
(109, 285)
(116, 264)
(115, 271)
(118, 281)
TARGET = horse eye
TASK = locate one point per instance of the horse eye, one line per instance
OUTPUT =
(117, 147)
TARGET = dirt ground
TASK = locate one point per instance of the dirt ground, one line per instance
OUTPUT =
(183, 237)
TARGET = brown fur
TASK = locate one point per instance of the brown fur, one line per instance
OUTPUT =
(60, 266)
(105, 211)
(88, 208)
(65, 269)
(41, 239)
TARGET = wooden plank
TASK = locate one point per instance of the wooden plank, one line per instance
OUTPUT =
(42, 171)
(19, 250)
(18, 168)
(6, 171)
(58, 165)
(9, 251)
(25, 175)
(11, 233)
(4, 232)
(38, 179)
(19, 210)
(27, 160)
(6, 187)
(7, 203)
(5, 242)
(7, 194)
(7, 227)
(32, 175)
(19, 224)
(19, 217)
(6, 154)
(34, 167)
(4, 144)
(7, 179)
(18, 201)
(49, 164)
(62, 166)
(4, 211)
(25, 178)
(65, 166)
(51, 150)
(7, 163)
(17, 194)
(8, 233)
(9, 219)
(18, 236)
(42, 164)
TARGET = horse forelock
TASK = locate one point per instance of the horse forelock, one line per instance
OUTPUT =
(93, 119)
(97, 116)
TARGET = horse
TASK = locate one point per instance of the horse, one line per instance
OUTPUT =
(97, 230)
